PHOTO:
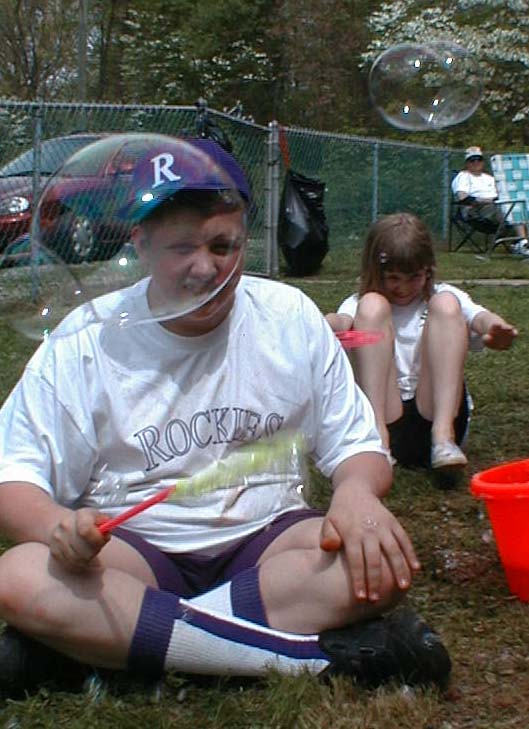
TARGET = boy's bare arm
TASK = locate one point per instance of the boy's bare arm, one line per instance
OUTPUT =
(29, 514)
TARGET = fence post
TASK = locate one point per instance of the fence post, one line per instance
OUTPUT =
(374, 200)
(36, 181)
(446, 194)
(272, 199)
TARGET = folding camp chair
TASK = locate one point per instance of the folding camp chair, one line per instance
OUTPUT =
(474, 230)
(483, 232)
(470, 232)
(511, 173)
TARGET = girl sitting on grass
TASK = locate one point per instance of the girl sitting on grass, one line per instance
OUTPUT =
(414, 375)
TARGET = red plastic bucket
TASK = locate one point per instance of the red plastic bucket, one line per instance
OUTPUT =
(505, 491)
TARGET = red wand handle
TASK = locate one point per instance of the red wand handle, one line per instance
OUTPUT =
(352, 338)
(110, 524)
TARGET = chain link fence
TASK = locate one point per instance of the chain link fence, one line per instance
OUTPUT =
(364, 177)
(35, 139)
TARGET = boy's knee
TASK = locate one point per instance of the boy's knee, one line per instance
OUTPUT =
(17, 578)
(346, 608)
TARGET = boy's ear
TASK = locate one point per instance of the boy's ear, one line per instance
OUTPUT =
(137, 236)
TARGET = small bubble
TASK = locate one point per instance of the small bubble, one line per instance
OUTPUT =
(109, 489)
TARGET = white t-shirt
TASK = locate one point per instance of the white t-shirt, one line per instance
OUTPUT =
(408, 322)
(152, 407)
(479, 186)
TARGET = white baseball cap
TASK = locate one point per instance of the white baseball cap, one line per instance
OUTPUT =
(473, 152)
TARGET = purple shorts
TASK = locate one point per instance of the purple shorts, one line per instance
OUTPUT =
(187, 574)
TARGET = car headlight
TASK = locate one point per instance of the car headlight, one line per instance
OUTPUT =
(13, 205)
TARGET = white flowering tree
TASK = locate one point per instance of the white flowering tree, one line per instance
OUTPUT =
(496, 32)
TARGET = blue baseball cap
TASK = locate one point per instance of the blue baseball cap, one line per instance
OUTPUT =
(227, 162)
(170, 165)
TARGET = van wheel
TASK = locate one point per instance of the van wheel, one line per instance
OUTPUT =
(75, 238)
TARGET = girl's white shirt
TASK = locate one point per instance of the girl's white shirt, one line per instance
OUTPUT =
(408, 322)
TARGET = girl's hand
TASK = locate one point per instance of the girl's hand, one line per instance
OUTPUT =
(76, 540)
(500, 336)
(339, 322)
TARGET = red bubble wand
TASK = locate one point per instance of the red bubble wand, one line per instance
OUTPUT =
(353, 338)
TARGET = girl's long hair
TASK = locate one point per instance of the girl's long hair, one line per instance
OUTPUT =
(399, 242)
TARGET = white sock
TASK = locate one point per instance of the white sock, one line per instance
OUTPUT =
(222, 632)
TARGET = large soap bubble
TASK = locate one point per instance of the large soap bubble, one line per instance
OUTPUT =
(37, 289)
(427, 86)
(96, 230)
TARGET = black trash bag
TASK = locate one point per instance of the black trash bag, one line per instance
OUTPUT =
(303, 232)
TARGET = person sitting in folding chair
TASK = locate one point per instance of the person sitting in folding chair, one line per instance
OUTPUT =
(477, 192)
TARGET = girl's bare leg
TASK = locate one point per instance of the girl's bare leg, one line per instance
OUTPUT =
(443, 352)
(374, 365)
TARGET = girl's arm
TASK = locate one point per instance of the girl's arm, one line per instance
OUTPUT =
(339, 322)
(495, 332)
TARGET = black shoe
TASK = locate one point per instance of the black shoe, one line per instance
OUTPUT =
(398, 646)
(26, 665)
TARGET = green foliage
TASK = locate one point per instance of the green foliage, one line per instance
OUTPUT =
(176, 52)
(319, 83)
(36, 51)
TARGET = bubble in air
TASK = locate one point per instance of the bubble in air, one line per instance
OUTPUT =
(426, 86)
(37, 290)
(108, 489)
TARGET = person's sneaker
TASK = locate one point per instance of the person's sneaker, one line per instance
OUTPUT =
(26, 664)
(447, 456)
(521, 247)
(398, 646)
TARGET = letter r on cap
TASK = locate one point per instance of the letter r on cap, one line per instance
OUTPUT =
(162, 169)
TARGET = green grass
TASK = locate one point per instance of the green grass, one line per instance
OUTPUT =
(461, 589)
